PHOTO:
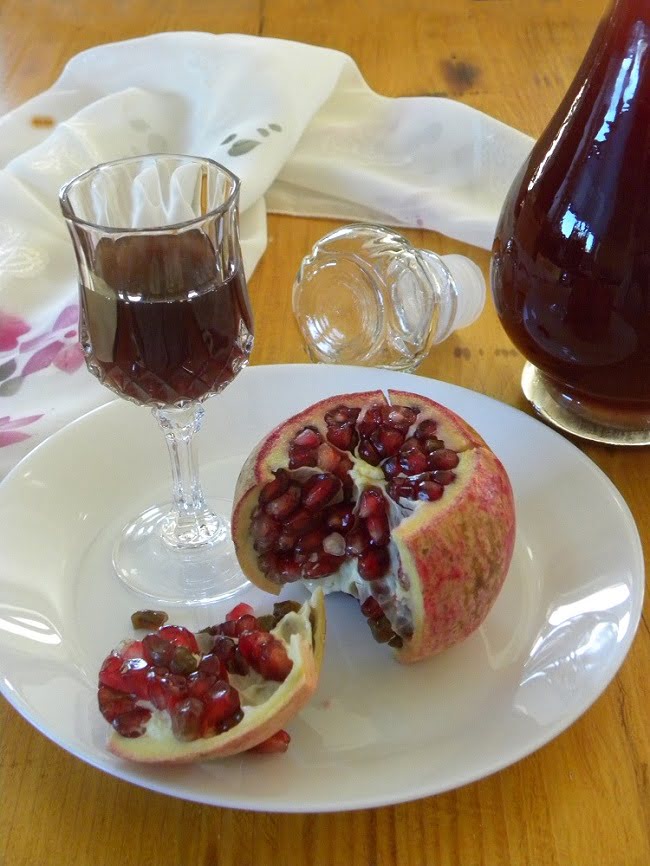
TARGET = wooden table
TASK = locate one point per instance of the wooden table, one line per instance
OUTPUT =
(585, 797)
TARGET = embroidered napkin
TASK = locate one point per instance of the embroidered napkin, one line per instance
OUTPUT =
(295, 122)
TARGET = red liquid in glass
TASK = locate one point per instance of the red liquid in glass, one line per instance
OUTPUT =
(158, 324)
(571, 265)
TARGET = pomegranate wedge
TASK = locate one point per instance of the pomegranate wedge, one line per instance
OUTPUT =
(177, 697)
(395, 500)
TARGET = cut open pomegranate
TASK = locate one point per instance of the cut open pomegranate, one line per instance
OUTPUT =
(175, 696)
(397, 501)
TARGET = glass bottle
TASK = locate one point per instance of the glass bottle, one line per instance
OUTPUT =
(571, 257)
(364, 295)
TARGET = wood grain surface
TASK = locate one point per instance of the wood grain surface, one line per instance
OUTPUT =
(582, 799)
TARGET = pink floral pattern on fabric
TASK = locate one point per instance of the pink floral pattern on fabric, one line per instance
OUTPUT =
(25, 351)
(10, 431)
(12, 329)
(28, 352)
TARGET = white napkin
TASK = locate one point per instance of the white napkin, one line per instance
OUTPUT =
(295, 122)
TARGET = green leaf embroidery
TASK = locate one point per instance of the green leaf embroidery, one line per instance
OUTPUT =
(263, 132)
(229, 138)
(275, 127)
(244, 145)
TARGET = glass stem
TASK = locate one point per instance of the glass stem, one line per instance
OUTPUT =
(190, 523)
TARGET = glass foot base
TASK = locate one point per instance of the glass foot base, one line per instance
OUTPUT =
(580, 417)
(202, 574)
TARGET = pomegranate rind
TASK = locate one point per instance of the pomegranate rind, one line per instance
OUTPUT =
(454, 552)
(460, 548)
(305, 648)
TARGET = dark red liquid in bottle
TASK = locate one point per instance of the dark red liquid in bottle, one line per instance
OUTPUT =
(571, 265)
(159, 325)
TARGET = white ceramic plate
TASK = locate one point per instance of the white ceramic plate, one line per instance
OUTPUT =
(375, 732)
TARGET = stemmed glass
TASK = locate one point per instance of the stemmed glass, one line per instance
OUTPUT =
(165, 322)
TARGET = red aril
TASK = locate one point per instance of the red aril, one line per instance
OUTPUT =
(395, 500)
(234, 693)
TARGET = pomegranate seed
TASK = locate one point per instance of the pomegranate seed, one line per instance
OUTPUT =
(334, 544)
(413, 462)
(285, 504)
(342, 415)
(302, 457)
(308, 438)
(183, 661)
(238, 664)
(265, 531)
(156, 650)
(228, 629)
(371, 608)
(275, 488)
(320, 490)
(378, 529)
(200, 682)
(148, 619)
(282, 608)
(273, 745)
(286, 542)
(371, 501)
(223, 647)
(388, 441)
(109, 671)
(374, 563)
(288, 568)
(429, 491)
(248, 622)
(328, 457)
(113, 703)
(240, 609)
(164, 689)
(339, 517)
(370, 421)
(321, 566)
(132, 723)
(357, 540)
(343, 436)
(391, 467)
(179, 636)
(401, 488)
(301, 522)
(212, 664)
(221, 702)
(311, 542)
(345, 464)
(445, 458)
(444, 476)
(266, 655)
(186, 719)
(432, 444)
(369, 453)
(381, 629)
(132, 650)
(426, 429)
(401, 417)
(133, 675)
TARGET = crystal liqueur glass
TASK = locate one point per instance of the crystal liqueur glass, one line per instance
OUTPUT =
(165, 322)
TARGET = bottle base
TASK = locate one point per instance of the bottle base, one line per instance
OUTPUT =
(581, 417)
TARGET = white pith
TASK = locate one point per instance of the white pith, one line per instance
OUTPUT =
(259, 699)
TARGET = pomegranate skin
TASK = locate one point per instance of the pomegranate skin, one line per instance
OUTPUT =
(260, 722)
(454, 552)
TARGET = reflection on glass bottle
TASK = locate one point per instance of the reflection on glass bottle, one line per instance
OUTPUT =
(571, 264)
